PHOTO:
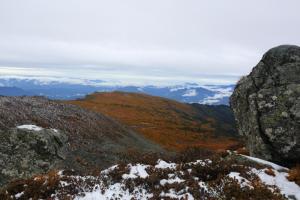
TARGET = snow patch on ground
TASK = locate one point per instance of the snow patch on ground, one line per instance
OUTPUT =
(201, 162)
(174, 176)
(290, 189)
(264, 162)
(164, 165)
(243, 182)
(17, 196)
(177, 195)
(55, 130)
(110, 169)
(30, 127)
(116, 191)
(136, 171)
(171, 181)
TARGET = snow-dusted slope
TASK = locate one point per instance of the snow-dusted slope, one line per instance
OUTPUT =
(176, 178)
(236, 176)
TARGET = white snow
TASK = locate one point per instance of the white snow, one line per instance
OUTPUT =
(201, 162)
(203, 185)
(220, 94)
(161, 164)
(60, 173)
(30, 127)
(64, 183)
(182, 87)
(173, 194)
(171, 181)
(140, 89)
(55, 130)
(176, 89)
(110, 169)
(190, 93)
(258, 160)
(18, 195)
(286, 187)
(119, 190)
(236, 175)
(116, 191)
(136, 171)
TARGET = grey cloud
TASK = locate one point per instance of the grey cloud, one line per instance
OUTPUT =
(139, 39)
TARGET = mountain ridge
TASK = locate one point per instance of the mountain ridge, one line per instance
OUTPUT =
(187, 92)
(172, 124)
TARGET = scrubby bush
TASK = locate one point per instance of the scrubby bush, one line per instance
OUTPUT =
(294, 174)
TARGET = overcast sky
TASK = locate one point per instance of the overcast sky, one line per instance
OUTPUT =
(143, 41)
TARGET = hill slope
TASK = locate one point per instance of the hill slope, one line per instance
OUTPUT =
(171, 124)
(13, 91)
(93, 139)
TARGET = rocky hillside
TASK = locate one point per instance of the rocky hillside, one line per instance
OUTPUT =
(266, 104)
(171, 124)
(37, 134)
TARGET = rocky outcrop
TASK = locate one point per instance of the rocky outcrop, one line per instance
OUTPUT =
(266, 104)
(94, 140)
(26, 152)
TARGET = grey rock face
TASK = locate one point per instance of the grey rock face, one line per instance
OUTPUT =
(24, 153)
(266, 105)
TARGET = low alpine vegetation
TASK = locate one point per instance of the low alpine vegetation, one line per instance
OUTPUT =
(215, 176)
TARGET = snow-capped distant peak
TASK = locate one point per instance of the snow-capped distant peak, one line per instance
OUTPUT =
(220, 93)
(190, 93)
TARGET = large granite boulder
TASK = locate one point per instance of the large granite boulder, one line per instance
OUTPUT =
(30, 150)
(266, 105)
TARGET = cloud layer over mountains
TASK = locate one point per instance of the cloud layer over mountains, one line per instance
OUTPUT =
(142, 40)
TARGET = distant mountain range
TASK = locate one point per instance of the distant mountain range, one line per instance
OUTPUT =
(187, 93)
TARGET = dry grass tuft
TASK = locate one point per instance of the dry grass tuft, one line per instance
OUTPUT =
(38, 187)
(243, 151)
(294, 174)
(270, 172)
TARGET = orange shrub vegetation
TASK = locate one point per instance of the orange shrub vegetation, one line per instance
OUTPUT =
(169, 123)
(294, 174)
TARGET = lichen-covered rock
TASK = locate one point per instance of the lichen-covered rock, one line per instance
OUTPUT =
(24, 152)
(266, 105)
